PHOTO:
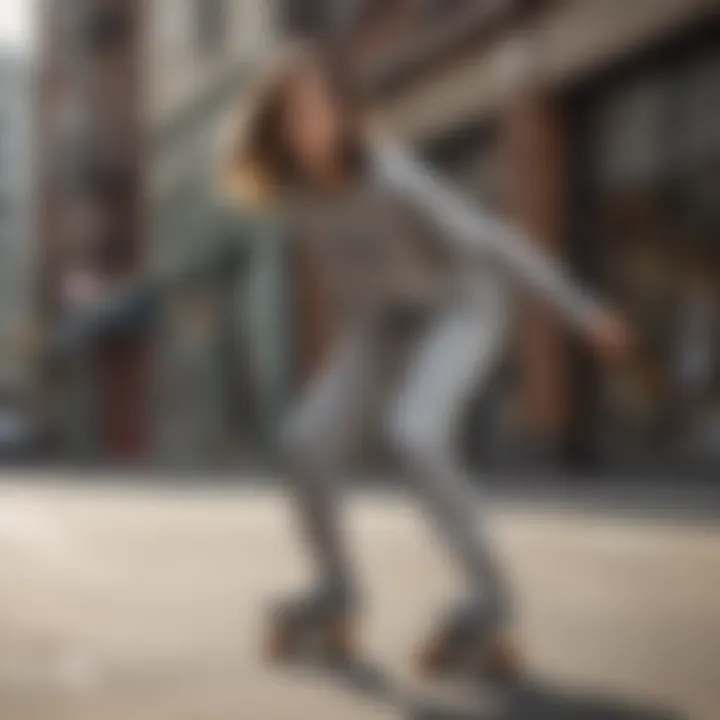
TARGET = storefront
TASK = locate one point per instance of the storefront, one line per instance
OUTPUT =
(646, 181)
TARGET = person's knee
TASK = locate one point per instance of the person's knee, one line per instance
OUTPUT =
(296, 443)
(414, 437)
(303, 446)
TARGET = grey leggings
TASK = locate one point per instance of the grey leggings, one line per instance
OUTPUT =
(451, 358)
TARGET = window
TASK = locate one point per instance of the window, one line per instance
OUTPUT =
(301, 18)
(315, 18)
(434, 9)
(343, 14)
(100, 29)
(211, 24)
(653, 136)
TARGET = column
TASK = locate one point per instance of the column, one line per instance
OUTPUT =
(535, 137)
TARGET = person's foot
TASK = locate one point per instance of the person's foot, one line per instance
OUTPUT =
(323, 621)
(472, 638)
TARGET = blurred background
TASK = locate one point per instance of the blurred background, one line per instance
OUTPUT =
(595, 124)
(125, 346)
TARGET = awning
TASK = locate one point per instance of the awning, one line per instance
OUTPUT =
(561, 49)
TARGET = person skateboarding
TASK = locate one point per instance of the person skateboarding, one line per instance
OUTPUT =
(417, 273)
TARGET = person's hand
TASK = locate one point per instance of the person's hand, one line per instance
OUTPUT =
(611, 337)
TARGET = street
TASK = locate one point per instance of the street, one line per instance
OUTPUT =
(131, 603)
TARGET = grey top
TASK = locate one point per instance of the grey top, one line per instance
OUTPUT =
(376, 251)
(402, 238)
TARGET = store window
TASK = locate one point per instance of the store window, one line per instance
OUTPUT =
(657, 160)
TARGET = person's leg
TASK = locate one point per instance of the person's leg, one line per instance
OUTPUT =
(457, 354)
(319, 434)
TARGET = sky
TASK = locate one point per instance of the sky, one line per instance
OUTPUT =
(16, 23)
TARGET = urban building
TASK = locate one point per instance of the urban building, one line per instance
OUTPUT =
(17, 249)
(595, 125)
(198, 59)
(133, 97)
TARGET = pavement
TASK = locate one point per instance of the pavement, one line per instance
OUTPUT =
(145, 602)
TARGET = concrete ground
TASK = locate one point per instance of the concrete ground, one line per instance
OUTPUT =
(131, 603)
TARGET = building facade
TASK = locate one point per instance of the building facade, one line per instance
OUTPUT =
(17, 247)
(593, 124)
(133, 98)
(199, 59)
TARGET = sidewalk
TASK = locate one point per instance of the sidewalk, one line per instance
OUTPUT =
(146, 601)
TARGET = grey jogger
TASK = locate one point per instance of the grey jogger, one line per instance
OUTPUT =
(454, 354)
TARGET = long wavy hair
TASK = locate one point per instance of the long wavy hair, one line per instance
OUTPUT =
(259, 166)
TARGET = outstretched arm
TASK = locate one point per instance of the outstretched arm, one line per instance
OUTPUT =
(214, 252)
(479, 232)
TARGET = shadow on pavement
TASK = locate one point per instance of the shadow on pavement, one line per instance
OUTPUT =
(529, 700)
(535, 702)
(362, 678)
